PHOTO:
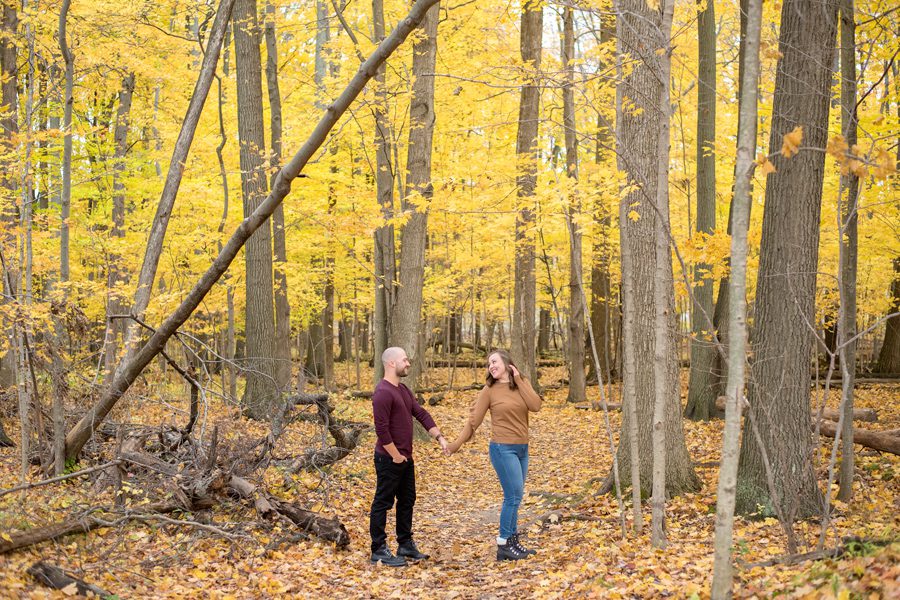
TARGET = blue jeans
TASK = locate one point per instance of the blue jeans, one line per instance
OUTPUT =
(510, 461)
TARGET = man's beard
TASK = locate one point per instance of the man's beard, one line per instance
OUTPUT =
(404, 372)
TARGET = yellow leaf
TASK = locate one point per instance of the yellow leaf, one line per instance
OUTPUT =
(791, 142)
(837, 147)
(6, 537)
(634, 215)
(71, 589)
(764, 165)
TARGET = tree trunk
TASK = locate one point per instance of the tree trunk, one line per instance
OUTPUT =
(785, 291)
(282, 307)
(889, 355)
(543, 336)
(576, 306)
(116, 276)
(406, 314)
(702, 388)
(524, 293)
(10, 129)
(384, 181)
(261, 393)
(639, 145)
(849, 243)
(720, 317)
(722, 564)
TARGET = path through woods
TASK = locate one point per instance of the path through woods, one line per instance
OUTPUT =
(581, 555)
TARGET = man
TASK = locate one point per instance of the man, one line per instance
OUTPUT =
(393, 407)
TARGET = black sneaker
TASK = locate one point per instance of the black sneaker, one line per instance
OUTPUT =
(514, 540)
(509, 552)
(383, 555)
(409, 550)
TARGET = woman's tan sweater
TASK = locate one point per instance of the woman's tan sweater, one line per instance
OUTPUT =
(509, 413)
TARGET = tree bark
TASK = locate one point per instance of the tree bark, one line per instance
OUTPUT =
(261, 394)
(9, 129)
(384, 182)
(849, 243)
(639, 143)
(785, 291)
(406, 314)
(889, 355)
(576, 307)
(282, 307)
(725, 497)
(82, 431)
(702, 386)
(116, 275)
(524, 293)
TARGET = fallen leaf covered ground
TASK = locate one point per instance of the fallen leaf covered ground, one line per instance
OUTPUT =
(581, 552)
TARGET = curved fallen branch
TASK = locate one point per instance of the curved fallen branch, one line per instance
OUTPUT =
(54, 577)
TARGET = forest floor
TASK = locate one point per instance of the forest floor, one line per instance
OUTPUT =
(582, 554)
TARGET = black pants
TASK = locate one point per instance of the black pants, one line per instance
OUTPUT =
(398, 481)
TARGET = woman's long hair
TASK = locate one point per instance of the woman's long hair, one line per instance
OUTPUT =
(507, 362)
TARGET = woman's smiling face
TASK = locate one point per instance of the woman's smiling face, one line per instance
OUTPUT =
(496, 367)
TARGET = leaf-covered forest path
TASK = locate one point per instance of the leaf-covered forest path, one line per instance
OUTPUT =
(580, 555)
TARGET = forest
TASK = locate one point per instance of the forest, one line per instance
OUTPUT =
(681, 219)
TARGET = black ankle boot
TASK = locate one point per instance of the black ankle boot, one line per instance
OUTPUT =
(509, 552)
(383, 555)
(409, 550)
(514, 540)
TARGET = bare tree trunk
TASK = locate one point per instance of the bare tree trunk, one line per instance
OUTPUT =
(83, 430)
(65, 200)
(282, 307)
(737, 356)
(406, 314)
(576, 310)
(524, 294)
(702, 388)
(173, 176)
(116, 276)
(849, 243)
(785, 291)
(261, 395)
(639, 143)
(384, 181)
(889, 355)
(10, 129)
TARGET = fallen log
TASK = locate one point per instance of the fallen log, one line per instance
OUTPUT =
(868, 415)
(81, 524)
(876, 440)
(54, 577)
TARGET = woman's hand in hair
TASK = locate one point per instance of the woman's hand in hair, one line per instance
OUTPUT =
(514, 371)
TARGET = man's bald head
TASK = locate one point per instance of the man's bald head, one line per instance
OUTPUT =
(395, 362)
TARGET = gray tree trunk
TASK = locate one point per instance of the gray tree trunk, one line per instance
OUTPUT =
(384, 182)
(115, 328)
(849, 241)
(406, 314)
(523, 331)
(10, 130)
(725, 497)
(638, 35)
(786, 286)
(889, 355)
(261, 394)
(576, 306)
(282, 307)
(702, 387)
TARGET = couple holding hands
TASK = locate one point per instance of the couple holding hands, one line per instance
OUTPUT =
(507, 396)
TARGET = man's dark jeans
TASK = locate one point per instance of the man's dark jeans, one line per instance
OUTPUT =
(398, 481)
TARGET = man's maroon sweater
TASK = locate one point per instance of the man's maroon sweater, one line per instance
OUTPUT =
(393, 408)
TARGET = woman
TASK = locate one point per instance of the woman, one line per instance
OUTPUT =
(509, 397)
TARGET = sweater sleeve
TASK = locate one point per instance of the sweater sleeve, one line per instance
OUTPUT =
(381, 412)
(531, 398)
(476, 417)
